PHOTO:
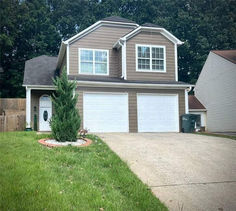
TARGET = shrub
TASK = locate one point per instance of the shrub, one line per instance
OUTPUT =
(65, 122)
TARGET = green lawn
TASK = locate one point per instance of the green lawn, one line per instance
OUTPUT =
(34, 177)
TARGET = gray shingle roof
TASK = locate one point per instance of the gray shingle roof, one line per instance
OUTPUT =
(120, 80)
(151, 25)
(40, 70)
(117, 19)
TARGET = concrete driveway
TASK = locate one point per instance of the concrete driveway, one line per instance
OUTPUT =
(185, 171)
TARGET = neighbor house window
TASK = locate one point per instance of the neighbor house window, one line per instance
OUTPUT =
(150, 58)
(92, 61)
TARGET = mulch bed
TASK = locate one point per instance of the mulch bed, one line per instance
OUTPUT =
(44, 143)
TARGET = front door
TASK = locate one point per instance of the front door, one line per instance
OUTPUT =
(45, 113)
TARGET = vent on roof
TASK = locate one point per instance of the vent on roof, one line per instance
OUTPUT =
(117, 19)
(151, 25)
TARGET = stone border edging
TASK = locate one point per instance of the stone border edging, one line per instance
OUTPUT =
(43, 142)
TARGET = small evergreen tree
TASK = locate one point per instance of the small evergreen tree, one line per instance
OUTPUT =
(65, 121)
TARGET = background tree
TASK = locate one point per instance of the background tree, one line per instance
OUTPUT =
(65, 122)
(30, 28)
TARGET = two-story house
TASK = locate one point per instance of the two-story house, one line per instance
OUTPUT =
(126, 74)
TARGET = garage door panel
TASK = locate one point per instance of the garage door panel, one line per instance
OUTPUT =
(157, 113)
(106, 112)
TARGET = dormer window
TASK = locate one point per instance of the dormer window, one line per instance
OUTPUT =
(93, 61)
(150, 58)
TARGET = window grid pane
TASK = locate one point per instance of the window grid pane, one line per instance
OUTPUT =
(143, 52)
(86, 67)
(144, 64)
(86, 55)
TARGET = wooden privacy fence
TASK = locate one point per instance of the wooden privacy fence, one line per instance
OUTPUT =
(12, 122)
(12, 114)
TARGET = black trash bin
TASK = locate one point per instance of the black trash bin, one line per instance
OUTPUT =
(188, 122)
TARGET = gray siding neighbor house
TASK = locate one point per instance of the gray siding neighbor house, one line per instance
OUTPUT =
(215, 89)
(126, 74)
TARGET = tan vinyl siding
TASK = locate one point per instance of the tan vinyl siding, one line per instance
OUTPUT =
(104, 38)
(150, 38)
(133, 127)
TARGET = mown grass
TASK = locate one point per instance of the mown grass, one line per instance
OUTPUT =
(34, 177)
(216, 135)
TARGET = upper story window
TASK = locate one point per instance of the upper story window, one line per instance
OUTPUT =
(150, 58)
(93, 61)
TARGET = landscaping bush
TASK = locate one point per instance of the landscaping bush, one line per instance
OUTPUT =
(65, 122)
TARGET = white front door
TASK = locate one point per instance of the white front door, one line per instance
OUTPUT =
(158, 113)
(106, 112)
(45, 113)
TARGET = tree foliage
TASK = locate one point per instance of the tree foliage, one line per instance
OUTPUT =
(65, 122)
(30, 28)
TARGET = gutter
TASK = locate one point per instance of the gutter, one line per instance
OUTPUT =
(131, 85)
(40, 87)
(193, 110)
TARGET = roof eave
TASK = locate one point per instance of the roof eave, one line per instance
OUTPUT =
(197, 109)
(61, 54)
(131, 85)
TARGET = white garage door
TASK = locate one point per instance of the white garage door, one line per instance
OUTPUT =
(158, 113)
(106, 112)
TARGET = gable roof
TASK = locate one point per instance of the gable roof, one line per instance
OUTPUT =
(40, 71)
(117, 19)
(156, 28)
(229, 55)
(194, 103)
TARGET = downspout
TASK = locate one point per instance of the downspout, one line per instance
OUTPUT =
(186, 99)
(123, 53)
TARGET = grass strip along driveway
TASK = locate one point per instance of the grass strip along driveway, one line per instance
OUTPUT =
(34, 177)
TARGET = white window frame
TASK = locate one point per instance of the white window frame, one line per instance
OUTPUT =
(151, 70)
(93, 50)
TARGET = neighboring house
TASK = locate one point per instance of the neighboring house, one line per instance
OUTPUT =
(126, 74)
(216, 88)
(195, 107)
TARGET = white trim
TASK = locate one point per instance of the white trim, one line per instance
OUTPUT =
(97, 24)
(163, 31)
(68, 59)
(77, 35)
(160, 94)
(41, 87)
(196, 110)
(124, 71)
(176, 63)
(93, 50)
(28, 107)
(186, 101)
(150, 46)
(113, 93)
(132, 85)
